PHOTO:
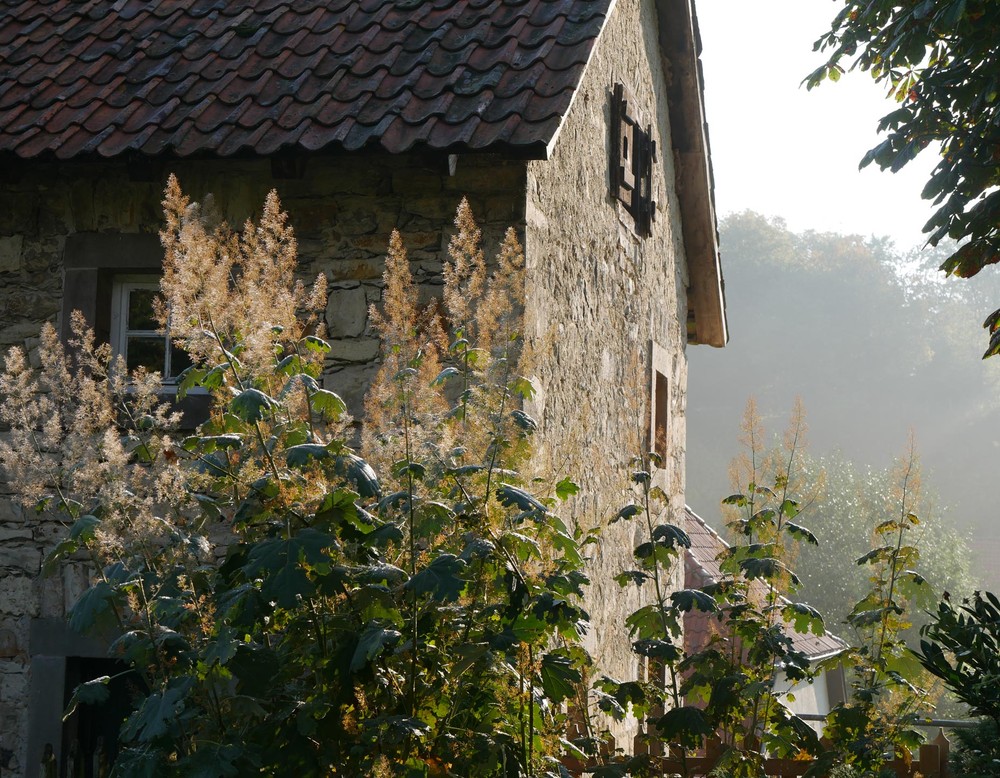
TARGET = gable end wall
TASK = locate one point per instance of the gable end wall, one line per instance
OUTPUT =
(598, 298)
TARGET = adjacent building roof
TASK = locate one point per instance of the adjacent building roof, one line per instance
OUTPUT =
(701, 567)
(191, 76)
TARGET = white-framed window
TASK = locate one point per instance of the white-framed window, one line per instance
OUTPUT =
(135, 333)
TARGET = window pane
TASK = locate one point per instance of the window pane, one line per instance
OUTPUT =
(146, 352)
(179, 361)
(140, 310)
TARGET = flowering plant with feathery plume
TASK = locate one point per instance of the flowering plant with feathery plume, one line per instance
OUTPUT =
(277, 605)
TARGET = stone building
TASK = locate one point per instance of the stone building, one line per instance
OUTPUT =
(580, 123)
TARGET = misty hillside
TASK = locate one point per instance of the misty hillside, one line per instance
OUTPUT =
(876, 343)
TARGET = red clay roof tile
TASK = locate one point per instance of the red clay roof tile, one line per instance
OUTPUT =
(210, 76)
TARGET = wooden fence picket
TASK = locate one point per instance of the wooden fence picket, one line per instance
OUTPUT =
(931, 761)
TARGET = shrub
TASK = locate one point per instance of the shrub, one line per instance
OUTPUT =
(287, 606)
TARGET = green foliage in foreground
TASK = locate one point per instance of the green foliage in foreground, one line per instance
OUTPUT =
(292, 606)
(939, 62)
(734, 687)
(976, 752)
(288, 608)
(961, 646)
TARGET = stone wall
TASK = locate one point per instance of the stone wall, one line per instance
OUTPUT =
(599, 298)
(342, 209)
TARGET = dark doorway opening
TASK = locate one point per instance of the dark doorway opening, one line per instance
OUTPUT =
(90, 735)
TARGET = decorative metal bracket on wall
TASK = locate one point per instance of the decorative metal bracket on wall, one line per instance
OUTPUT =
(633, 152)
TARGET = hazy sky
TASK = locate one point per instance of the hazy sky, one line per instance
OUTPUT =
(781, 150)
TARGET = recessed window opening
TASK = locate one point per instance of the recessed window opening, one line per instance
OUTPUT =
(661, 416)
(135, 332)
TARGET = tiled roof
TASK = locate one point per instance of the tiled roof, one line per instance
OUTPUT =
(701, 567)
(193, 76)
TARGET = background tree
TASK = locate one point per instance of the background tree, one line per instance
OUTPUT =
(938, 61)
(882, 345)
(846, 510)
(876, 723)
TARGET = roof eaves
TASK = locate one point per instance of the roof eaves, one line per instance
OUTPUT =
(680, 46)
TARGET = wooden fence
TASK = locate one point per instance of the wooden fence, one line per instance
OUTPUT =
(930, 762)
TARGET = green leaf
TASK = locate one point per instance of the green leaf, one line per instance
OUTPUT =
(767, 568)
(95, 608)
(221, 648)
(789, 508)
(615, 698)
(524, 421)
(133, 647)
(373, 642)
(444, 375)
(804, 618)
(686, 725)
(866, 618)
(278, 561)
(566, 488)
(522, 546)
(206, 444)
(523, 388)
(405, 468)
(876, 555)
(209, 505)
(655, 648)
(338, 507)
(291, 365)
(514, 496)
(189, 379)
(154, 717)
(647, 622)
(360, 473)
(441, 579)
(315, 345)
(250, 405)
(559, 676)
(693, 599)
(637, 577)
(671, 536)
(627, 512)
(90, 693)
(477, 548)
(563, 543)
(83, 531)
(465, 470)
(305, 454)
(382, 572)
(801, 533)
(327, 404)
